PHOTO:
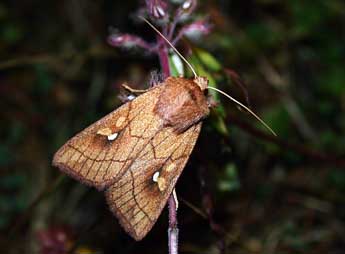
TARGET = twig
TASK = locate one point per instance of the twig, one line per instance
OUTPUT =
(317, 156)
(196, 209)
(27, 60)
(238, 81)
(97, 51)
(173, 228)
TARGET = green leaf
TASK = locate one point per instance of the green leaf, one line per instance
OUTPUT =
(208, 60)
(176, 65)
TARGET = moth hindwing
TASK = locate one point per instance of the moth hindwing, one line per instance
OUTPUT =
(137, 152)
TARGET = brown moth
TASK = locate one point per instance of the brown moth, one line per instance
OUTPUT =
(137, 152)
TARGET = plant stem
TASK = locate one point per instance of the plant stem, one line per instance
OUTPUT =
(173, 229)
(163, 57)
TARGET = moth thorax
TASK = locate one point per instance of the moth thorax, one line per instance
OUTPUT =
(202, 82)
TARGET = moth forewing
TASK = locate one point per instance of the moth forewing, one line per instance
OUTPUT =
(102, 152)
(138, 198)
(137, 152)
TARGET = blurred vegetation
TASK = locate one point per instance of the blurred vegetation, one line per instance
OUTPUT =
(244, 191)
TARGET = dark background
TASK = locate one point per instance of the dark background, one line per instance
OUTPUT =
(243, 191)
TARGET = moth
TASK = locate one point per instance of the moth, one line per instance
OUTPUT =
(136, 153)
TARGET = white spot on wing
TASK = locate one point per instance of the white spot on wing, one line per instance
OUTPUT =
(113, 136)
(155, 176)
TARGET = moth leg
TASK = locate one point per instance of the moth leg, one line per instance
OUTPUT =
(132, 90)
(175, 198)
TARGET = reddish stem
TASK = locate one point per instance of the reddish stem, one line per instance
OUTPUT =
(163, 57)
(173, 229)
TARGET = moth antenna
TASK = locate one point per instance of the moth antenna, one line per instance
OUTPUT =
(245, 107)
(170, 44)
(209, 87)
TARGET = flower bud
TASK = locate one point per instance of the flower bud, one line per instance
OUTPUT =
(127, 41)
(196, 29)
(186, 9)
(157, 8)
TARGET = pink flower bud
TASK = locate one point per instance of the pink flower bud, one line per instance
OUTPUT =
(187, 7)
(196, 29)
(157, 8)
(127, 41)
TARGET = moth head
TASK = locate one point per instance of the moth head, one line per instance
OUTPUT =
(202, 82)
